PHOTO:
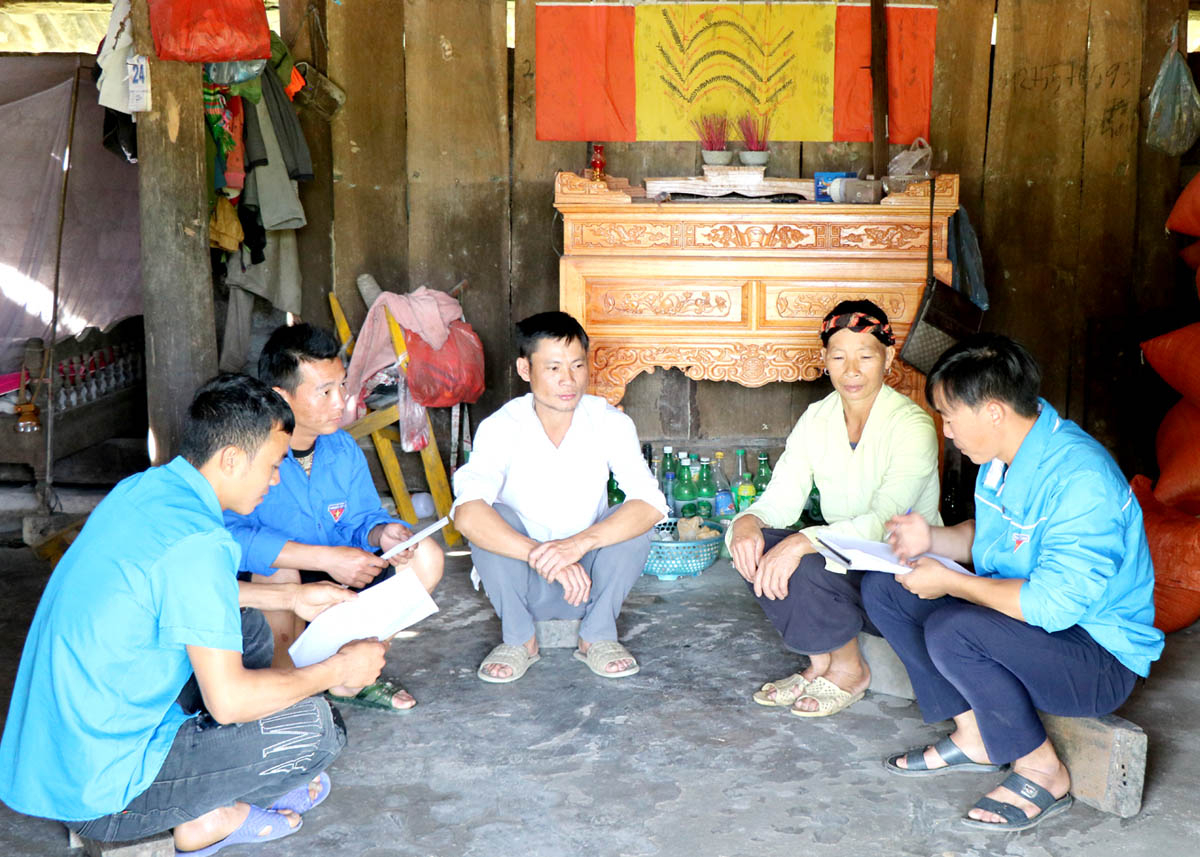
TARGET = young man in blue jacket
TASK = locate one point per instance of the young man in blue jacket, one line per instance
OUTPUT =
(1059, 615)
(323, 521)
(145, 603)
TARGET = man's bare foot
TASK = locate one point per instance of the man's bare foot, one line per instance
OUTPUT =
(504, 670)
(216, 825)
(1056, 781)
(619, 665)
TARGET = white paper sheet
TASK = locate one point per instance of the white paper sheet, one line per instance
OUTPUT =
(380, 611)
(414, 538)
(865, 555)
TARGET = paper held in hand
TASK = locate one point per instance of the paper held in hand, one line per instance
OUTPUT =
(414, 538)
(381, 611)
(846, 552)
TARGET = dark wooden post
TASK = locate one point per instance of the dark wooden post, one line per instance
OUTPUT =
(879, 88)
(177, 293)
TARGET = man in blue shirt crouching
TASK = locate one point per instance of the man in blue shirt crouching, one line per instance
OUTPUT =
(147, 596)
(1059, 613)
(323, 521)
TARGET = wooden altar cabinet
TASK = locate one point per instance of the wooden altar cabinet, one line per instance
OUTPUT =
(733, 290)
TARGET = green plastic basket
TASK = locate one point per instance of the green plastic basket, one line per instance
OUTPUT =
(672, 560)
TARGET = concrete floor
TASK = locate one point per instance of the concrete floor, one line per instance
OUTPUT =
(674, 761)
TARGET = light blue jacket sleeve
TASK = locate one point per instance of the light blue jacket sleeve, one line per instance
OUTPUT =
(260, 545)
(1080, 553)
(363, 509)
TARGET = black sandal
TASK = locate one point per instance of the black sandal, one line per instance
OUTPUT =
(1015, 817)
(955, 759)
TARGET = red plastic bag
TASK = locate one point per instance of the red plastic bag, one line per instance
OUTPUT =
(210, 30)
(450, 375)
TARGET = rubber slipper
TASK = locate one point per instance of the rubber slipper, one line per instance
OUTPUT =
(300, 800)
(830, 698)
(787, 690)
(955, 759)
(1015, 817)
(515, 657)
(377, 696)
(602, 653)
(248, 833)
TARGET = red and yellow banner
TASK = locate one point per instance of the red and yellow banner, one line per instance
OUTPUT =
(645, 72)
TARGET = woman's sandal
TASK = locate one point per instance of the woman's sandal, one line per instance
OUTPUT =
(602, 653)
(787, 690)
(250, 831)
(515, 657)
(377, 696)
(1015, 817)
(830, 698)
(955, 759)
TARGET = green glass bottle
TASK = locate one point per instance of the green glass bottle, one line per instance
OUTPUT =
(615, 495)
(743, 491)
(706, 490)
(685, 494)
(763, 477)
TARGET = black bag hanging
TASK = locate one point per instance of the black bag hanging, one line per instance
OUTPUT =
(944, 317)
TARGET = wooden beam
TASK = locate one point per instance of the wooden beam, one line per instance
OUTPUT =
(879, 88)
(177, 292)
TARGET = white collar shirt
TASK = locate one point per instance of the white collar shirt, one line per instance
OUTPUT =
(556, 491)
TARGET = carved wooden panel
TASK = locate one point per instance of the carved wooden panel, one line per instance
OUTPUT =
(686, 301)
(886, 236)
(750, 236)
(810, 302)
(606, 235)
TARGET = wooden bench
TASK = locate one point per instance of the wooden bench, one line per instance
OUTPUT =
(158, 845)
(1105, 755)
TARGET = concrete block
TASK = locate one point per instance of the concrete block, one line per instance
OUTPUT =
(158, 845)
(888, 674)
(557, 633)
(1106, 757)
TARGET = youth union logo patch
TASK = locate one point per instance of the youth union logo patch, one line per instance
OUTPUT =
(1018, 540)
(336, 510)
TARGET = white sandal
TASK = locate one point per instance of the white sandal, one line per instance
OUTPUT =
(830, 698)
(515, 657)
(602, 653)
(787, 690)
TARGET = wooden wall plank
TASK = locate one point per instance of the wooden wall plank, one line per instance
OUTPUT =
(1107, 226)
(456, 68)
(368, 141)
(961, 76)
(177, 291)
(315, 240)
(1030, 234)
(536, 231)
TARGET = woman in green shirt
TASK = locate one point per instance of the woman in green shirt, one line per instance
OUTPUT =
(872, 454)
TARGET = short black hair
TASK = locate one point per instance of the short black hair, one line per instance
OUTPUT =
(547, 325)
(288, 347)
(987, 366)
(232, 410)
(849, 308)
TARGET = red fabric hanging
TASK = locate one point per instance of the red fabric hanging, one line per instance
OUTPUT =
(210, 30)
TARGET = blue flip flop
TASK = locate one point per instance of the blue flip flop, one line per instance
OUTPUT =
(299, 801)
(248, 832)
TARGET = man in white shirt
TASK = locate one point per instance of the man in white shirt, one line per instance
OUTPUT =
(533, 502)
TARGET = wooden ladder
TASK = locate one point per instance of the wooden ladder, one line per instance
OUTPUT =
(378, 424)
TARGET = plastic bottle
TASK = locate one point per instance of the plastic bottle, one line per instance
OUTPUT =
(685, 495)
(744, 491)
(706, 491)
(763, 477)
(668, 466)
(669, 490)
(615, 495)
(723, 505)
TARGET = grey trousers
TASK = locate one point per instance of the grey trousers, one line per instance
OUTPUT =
(521, 596)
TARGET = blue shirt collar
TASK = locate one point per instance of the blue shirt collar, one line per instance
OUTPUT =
(1017, 485)
(181, 467)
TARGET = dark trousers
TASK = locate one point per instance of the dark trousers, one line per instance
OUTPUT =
(211, 765)
(822, 611)
(961, 656)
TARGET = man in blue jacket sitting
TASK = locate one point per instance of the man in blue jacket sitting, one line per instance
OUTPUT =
(1059, 613)
(323, 521)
